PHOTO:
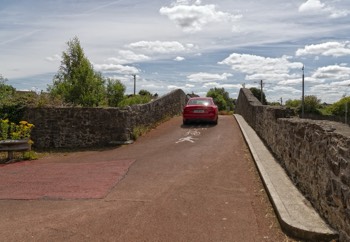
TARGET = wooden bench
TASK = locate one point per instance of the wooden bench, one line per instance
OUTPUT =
(11, 146)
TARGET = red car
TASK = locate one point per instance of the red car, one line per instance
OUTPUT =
(200, 109)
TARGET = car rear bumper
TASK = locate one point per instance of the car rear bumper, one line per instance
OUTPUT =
(198, 118)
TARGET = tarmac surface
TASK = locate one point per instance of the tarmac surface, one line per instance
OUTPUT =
(176, 183)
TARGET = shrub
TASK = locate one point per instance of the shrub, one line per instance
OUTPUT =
(133, 100)
(338, 108)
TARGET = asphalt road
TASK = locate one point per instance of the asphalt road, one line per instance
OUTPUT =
(188, 183)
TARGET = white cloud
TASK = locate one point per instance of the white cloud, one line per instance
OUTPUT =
(332, 72)
(317, 7)
(339, 13)
(192, 18)
(335, 49)
(127, 57)
(179, 58)
(120, 69)
(211, 85)
(259, 67)
(284, 89)
(333, 91)
(173, 87)
(53, 58)
(205, 77)
(341, 83)
(312, 6)
(290, 82)
(231, 86)
(160, 47)
(220, 85)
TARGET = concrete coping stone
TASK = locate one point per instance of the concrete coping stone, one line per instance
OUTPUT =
(295, 213)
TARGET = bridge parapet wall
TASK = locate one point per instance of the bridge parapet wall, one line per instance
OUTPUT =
(74, 127)
(315, 154)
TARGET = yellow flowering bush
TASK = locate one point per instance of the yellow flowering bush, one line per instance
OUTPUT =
(9, 130)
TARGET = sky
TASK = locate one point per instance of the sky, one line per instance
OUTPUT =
(194, 45)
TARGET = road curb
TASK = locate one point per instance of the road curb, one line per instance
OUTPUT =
(296, 215)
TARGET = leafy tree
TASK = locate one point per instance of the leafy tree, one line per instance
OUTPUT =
(221, 98)
(115, 92)
(296, 103)
(312, 104)
(338, 108)
(275, 104)
(6, 91)
(133, 100)
(76, 81)
(144, 93)
(257, 93)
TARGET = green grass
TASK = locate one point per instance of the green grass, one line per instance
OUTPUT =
(20, 156)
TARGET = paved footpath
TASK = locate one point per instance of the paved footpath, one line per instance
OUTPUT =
(184, 183)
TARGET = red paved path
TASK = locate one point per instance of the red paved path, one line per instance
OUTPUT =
(42, 180)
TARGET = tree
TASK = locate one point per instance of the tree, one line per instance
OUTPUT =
(221, 98)
(6, 91)
(115, 92)
(312, 104)
(135, 99)
(144, 92)
(76, 81)
(257, 93)
(296, 103)
(338, 108)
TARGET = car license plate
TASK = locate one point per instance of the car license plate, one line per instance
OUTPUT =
(198, 111)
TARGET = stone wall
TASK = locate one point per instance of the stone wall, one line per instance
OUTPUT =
(69, 127)
(315, 154)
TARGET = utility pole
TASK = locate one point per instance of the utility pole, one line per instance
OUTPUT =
(302, 96)
(346, 112)
(261, 90)
(134, 84)
(281, 101)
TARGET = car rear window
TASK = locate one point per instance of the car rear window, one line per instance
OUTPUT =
(204, 102)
